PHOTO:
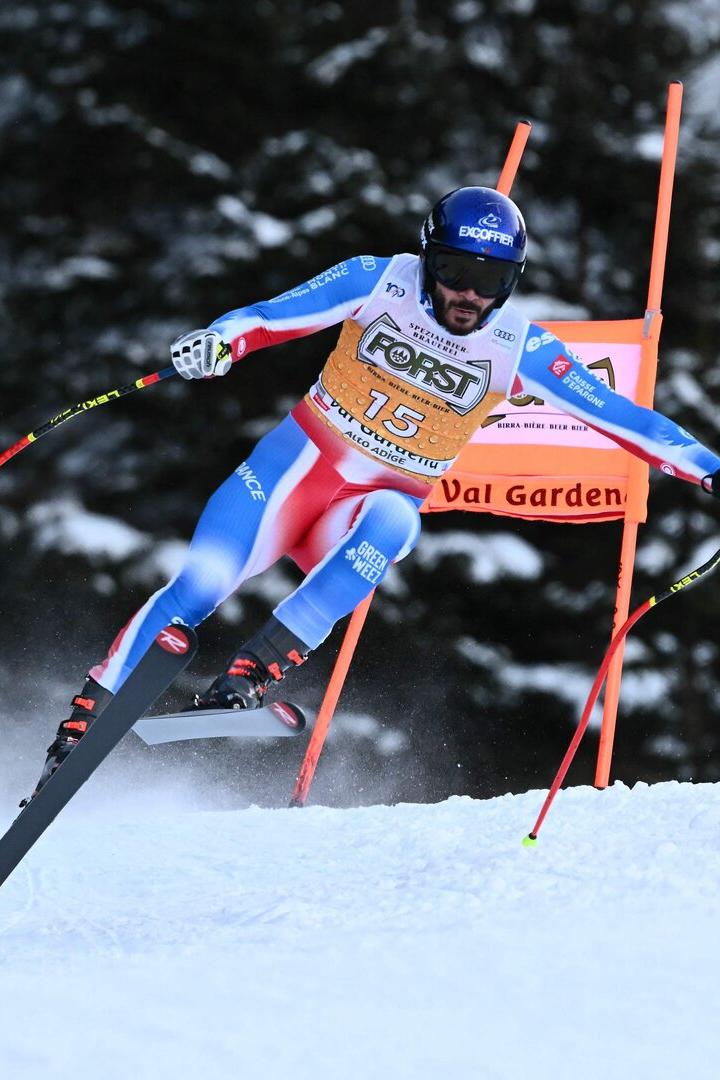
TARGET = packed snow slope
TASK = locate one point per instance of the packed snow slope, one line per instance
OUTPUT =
(144, 939)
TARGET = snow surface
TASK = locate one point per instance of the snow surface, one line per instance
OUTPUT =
(147, 938)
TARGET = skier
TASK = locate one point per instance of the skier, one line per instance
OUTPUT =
(429, 346)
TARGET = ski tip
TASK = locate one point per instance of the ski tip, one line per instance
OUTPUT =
(530, 840)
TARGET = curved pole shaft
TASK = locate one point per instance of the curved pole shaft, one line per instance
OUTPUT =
(685, 582)
(83, 407)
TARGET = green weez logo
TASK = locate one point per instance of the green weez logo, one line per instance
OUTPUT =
(461, 385)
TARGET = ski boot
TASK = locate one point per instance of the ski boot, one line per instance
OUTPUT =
(86, 707)
(262, 661)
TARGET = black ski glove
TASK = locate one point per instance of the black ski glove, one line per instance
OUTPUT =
(711, 483)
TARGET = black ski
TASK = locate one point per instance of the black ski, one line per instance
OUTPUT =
(169, 654)
(281, 718)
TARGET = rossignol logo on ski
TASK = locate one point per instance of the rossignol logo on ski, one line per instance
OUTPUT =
(460, 384)
(173, 640)
(367, 561)
(284, 713)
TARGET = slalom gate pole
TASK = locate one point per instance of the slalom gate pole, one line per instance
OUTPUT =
(514, 154)
(83, 407)
(645, 394)
(357, 621)
(685, 582)
(329, 703)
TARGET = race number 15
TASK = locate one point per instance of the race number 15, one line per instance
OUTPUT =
(405, 427)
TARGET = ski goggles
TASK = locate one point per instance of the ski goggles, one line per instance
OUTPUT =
(460, 270)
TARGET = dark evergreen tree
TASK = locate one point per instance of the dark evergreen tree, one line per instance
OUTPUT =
(166, 161)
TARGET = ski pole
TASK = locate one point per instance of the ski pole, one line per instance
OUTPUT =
(685, 582)
(83, 407)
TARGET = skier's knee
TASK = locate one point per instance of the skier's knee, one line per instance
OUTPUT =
(393, 519)
(208, 578)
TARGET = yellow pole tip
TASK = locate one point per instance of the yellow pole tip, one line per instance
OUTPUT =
(530, 840)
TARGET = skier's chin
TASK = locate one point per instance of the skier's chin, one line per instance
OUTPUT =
(461, 321)
(457, 313)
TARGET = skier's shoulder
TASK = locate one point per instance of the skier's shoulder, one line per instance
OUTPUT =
(398, 275)
(362, 276)
(541, 343)
(351, 278)
(362, 271)
(404, 262)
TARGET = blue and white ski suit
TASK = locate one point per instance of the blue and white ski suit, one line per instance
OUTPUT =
(338, 484)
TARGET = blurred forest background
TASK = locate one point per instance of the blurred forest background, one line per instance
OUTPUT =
(164, 161)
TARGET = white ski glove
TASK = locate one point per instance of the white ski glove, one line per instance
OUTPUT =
(201, 354)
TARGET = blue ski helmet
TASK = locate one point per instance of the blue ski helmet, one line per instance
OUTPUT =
(474, 238)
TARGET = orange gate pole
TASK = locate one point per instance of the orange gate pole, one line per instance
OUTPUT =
(646, 388)
(514, 154)
(357, 620)
(327, 709)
